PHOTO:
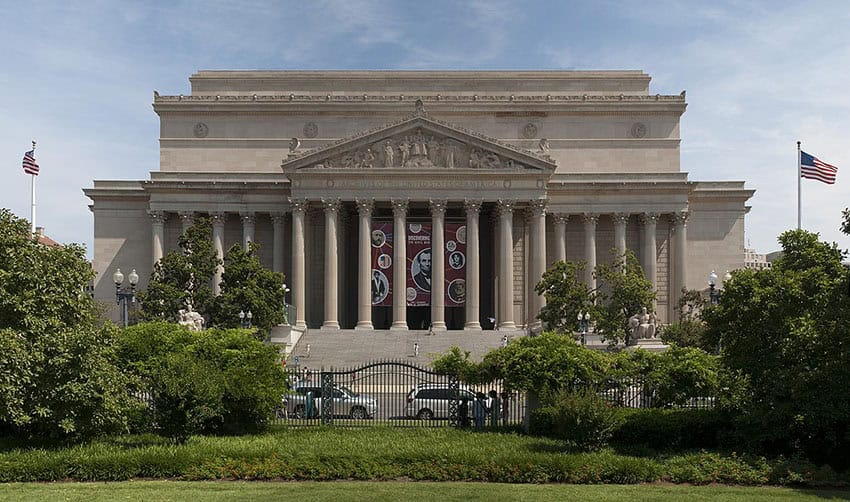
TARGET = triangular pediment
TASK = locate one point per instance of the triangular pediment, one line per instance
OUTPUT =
(420, 142)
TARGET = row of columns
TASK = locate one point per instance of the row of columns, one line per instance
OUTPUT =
(505, 210)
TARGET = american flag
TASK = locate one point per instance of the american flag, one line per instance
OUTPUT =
(815, 169)
(30, 167)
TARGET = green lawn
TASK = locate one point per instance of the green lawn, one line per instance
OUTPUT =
(154, 491)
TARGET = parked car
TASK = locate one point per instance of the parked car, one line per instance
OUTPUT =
(431, 401)
(346, 403)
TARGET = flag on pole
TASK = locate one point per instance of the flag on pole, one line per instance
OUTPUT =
(30, 166)
(814, 169)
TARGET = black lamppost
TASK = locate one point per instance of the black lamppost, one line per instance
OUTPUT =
(123, 296)
(713, 295)
(245, 319)
(583, 324)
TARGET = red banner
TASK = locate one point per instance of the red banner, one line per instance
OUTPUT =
(418, 264)
(382, 264)
(455, 265)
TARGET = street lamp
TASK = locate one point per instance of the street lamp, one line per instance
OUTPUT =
(124, 295)
(713, 295)
(245, 319)
(583, 323)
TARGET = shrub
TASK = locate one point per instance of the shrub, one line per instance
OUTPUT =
(583, 419)
(673, 429)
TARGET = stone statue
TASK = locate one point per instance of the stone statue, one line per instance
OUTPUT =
(474, 159)
(419, 107)
(642, 325)
(404, 148)
(294, 143)
(450, 150)
(543, 146)
(191, 319)
(389, 153)
(434, 151)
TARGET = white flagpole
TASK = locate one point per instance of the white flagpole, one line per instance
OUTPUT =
(799, 185)
(32, 185)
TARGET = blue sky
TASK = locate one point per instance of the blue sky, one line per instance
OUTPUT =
(79, 78)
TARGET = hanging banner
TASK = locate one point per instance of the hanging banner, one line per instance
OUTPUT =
(455, 264)
(418, 264)
(382, 264)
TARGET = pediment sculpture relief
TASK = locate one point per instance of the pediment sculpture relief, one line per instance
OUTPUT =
(418, 149)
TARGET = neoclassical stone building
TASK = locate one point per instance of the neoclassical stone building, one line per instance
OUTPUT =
(485, 178)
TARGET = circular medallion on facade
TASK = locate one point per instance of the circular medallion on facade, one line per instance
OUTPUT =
(411, 294)
(380, 287)
(311, 130)
(379, 238)
(460, 235)
(201, 130)
(529, 130)
(457, 291)
(330, 183)
(415, 228)
(457, 260)
(638, 130)
(451, 246)
(385, 261)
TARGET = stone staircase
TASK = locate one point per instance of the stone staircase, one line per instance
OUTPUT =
(318, 348)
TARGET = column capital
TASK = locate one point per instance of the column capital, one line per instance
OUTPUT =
(248, 217)
(472, 206)
(560, 217)
(186, 215)
(399, 206)
(438, 207)
(218, 218)
(505, 206)
(620, 218)
(537, 207)
(298, 205)
(365, 206)
(590, 218)
(649, 218)
(680, 218)
(157, 216)
(331, 205)
(278, 217)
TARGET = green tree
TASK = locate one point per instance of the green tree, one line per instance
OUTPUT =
(248, 286)
(622, 292)
(566, 295)
(183, 276)
(785, 329)
(58, 373)
(689, 330)
(845, 223)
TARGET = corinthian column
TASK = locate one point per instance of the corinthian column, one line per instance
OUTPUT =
(299, 272)
(399, 264)
(331, 263)
(158, 234)
(650, 256)
(620, 221)
(218, 245)
(506, 272)
(248, 224)
(187, 218)
(438, 263)
(278, 222)
(561, 236)
(538, 257)
(364, 265)
(473, 260)
(680, 255)
(590, 220)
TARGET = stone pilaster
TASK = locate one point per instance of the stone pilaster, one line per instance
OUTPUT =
(331, 207)
(505, 209)
(249, 221)
(157, 234)
(537, 209)
(364, 264)
(680, 256)
(399, 264)
(299, 268)
(590, 220)
(650, 253)
(218, 220)
(620, 221)
(561, 236)
(278, 224)
(473, 265)
(438, 263)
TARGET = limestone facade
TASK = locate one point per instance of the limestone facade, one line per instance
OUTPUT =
(539, 166)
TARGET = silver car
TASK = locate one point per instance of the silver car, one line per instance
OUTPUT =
(346, 403)
(429, 401)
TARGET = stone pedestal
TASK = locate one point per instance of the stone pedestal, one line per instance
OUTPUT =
(650, 344)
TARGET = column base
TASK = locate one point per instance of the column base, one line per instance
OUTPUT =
(438, 326)
(472, 326)
(330, 325)
(399, 326)
(302, 325)
(364, 326)
(507, 325)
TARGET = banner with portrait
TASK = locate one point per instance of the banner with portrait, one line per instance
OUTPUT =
(382, 264)
(418, 264)
(455, 265)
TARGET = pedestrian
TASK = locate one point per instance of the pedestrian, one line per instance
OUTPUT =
(495, 409)
(504, 405)
(463, 413)
(479, 410)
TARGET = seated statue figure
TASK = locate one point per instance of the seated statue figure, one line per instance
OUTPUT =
(642, 325)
